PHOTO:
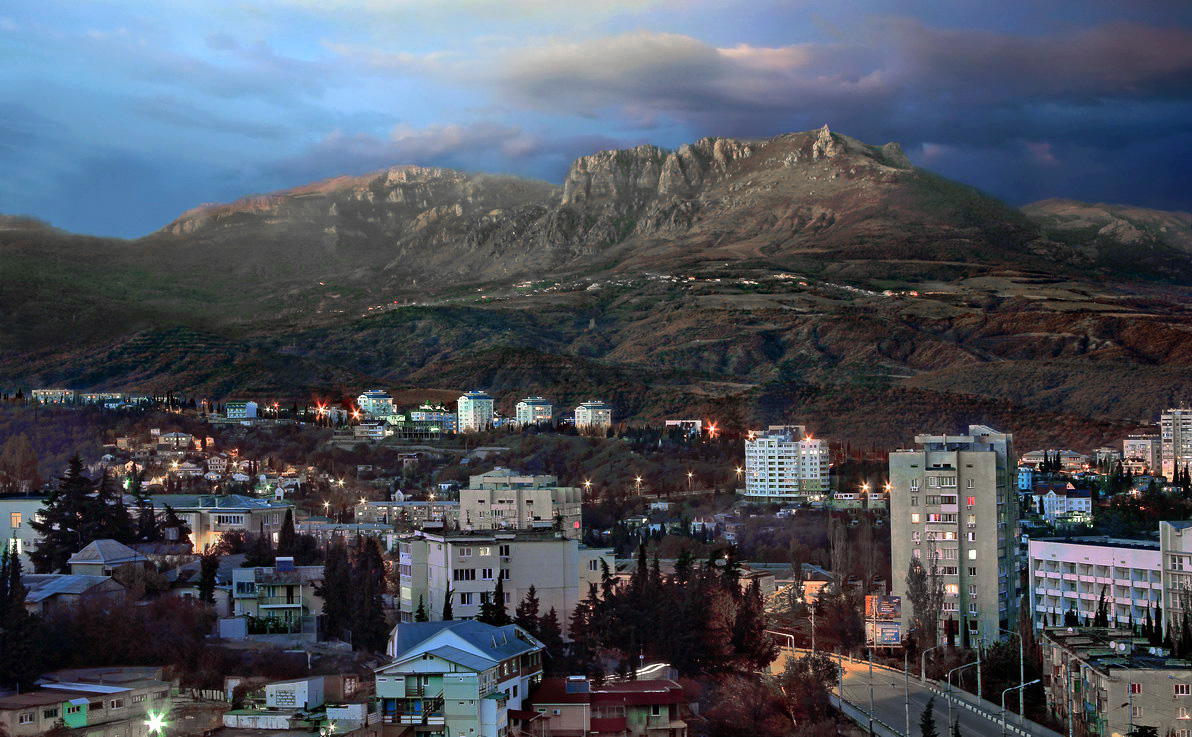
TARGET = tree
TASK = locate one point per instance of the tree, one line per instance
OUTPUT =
(956, 727)
(20, 651)
(805, 683)
(147, 528)
(208, 568)
(927, 720)
(1101, 618)
(925, 590)
(112, 519)
(369, 629)
(335, 590)
(526, 614)
(420, 612)
(65, 518)
(448, 615)
(753, 645)
(550, 634)
(285, 537)
(18, 465)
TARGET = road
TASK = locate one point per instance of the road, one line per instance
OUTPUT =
(889, 705)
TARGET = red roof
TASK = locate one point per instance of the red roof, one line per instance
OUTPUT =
(637, 693)
(524, 715)
(608, 724)
(554, 691)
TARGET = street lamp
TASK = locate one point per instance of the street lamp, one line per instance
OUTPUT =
(959, 667)
(690, 476)
(1019, 688)
(156, 722)
(923, 665)
(1021, 667)
(906, 685)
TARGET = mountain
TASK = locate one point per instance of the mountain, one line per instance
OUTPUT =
(808, 276)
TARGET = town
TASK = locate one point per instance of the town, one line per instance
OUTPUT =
(368, 566)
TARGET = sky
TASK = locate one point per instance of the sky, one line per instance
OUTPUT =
(118, 115)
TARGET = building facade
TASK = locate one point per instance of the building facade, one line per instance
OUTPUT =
(54, 396)
(574, 707)
(952, 505)
(375, 403)
(209, 516)
(1175, 549)
(785, 464)
(1175, 440)
(283, 594)
(468, 564)
(474, 411)
(1072, 574)
(240, 410)
(534, 411)
(593, 417)
(504, 500)
(1145, 448)
(16, 514)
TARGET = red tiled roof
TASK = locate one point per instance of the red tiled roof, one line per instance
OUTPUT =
(608, 724)
(554, 691)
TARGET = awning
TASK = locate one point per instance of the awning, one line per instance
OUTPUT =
(79, 702)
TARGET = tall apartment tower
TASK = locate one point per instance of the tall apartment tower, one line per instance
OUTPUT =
(784, 464)
(954, 497)
(534, 411)
(474, 411)
(1175, 440)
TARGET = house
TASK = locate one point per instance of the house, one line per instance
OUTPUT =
(458, 677)
(574, 707)
(46, 592)
(102, 557)
(217, 463)
(210, 515)
(184, 580)
(282, 597)
(176, 441)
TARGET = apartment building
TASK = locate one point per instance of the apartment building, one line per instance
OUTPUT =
(104, 701)
(430, 513)
(209, 516)
(785, 464)
(1175, 548)
(1175, 440)
(469, 563)
(504, 500)
(1070, 460)
(458, 678)
(240, 410)
(574, 707)
(1144, 448)
(1070, 574)
(16, 512)
(375, 403)
(434, 418)
(474, 411)
(54, 396)
(953, 507)
(593, 417)
(1104, 681)
(534, 411)
(284, 594)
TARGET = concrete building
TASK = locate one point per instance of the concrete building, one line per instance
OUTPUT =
(469, 564)
(1145, 448)
(103, 557)
(1109, 681)
(785, 464)
(47, 592)
(1070, 574)
(209, 516)
(534, 411)
(370, 430)
(240, 410)
(593, 417)
(375, 403)
(283, 593)
(101, 398)
(574, 707)
(103, 701)
(54, 396)
(952, 498)
(1175, 548)
(430, 513)
(504, 500)
(435, 418)
(474, 411)
(1070, 460)
(1175, 440)
(458, 678)
(16, 512)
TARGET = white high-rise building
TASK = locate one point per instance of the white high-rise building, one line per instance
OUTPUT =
(1175, 440)
(375, 403)
(474, 412)
(1072, 574)
(785, 464)
(953, 498)
(593, 416)
(534, 411)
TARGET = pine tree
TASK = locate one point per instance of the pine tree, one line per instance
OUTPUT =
(420, 612)
(753, 645)
(369, 630)
(173, 528)
(550, 634)
(67, 514)
(285, 537)
(448, 614)
(20, 647)
(500, 613)
(113, 521)
(148, 529)
(927, 720)
(526, 614)
(208, 568)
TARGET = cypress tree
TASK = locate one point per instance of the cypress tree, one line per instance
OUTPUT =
(336, 590)
(285, 537)
(927, 720)
(420, 612)
(550, 634)
(448, 614)
(20, 649)
(500, 614)
(752, 644)
(369, 630)
(208, 567)
(113, 521)
(148, 529)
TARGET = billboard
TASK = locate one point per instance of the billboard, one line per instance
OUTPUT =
(880, 632)
(883, 608)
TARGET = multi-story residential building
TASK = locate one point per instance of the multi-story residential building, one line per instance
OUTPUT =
(101, 397)
(474, 411)
(458, 677)
(504, 500)
(1072, 574)
(1106, 456)
(1175, 440)
(785, 464)
(106, 702)
(574, 706)
(1026, 478)
(1070, 460)
(469, 563)
(534, 411)
(375, 403)
(283, 593)
(240, 410)
(1062, 502)
(54, 396)
(370, 430)
(209, 516)
(1144, 447)
(1175, 549)
(176, 441)
(431, 513)
(1105, 681)
(953, 507)
(16, 512)
(593, 417)
(435, 417)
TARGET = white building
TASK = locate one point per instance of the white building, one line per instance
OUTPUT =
(504, 500)
(468, 564)
(435, 417)
(370, 430)
(1175, 547)
(240, 410)
(474, 412)
(593, 417)
(16, 512)
(1144, 448)
(534, 411)
(785, 464)
(953, 498)
(1071, 574)
(54, 396)
(1070, 460)
(375, 403)
(1175, 440)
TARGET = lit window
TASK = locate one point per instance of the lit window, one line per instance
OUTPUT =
(972, 554)
(970, 501)
(15, 520)
(915, 518)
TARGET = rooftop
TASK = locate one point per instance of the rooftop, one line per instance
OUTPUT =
(108, 553)
(212, 501)
(42, 586)
(498, 643)
(1103, 541)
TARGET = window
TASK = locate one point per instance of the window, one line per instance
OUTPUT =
(465, 598)
(49, 713)
(1135, 688)
(1136, 711)
(464, 574)
(1183, 689)
(15, 520)
(914, 484)
(229, 519)
(506, 597)
(504, 574)
(116, 704)
(950, 606)
(931, 499)
(973, 609)
(972, 570)
(951, 589)
(485, 551)
(914, 501)
(971, 536)
(138, 698)
(160, 694)
(916, 553)
(915, 537)
(593, 565)
(969, 484)
(971, 521)
(950, 553)
(486, 574)
(947, 499)
(655, 710)
(915, 518)
(73, 709)
(970, 501)
(972, 589)
(465, 552)
(972, 554)
(26, 718)
(1181, 712)
(504, 549)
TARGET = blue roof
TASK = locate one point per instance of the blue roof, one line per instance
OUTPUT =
(497, 643)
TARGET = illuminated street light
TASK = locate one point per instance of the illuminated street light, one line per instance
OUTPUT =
(156, 723)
